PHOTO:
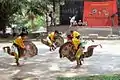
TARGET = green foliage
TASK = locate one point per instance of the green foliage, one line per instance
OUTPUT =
(24, 12)
(99, 77)
(18, 11)
(38, 22)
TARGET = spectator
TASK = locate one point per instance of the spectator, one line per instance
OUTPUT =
(80, 23)
(72, 20)
(51, 16)
(13, 32)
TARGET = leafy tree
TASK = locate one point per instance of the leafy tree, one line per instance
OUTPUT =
(20, 11)
(10, 9)
(7, 9)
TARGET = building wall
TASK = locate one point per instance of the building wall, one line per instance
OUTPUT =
(71, 6)
(100, 13)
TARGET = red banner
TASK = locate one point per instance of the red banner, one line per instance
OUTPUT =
(98, 14)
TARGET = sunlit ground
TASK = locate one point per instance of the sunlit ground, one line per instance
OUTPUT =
(47, 65)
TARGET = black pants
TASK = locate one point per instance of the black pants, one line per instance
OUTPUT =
(20, 50)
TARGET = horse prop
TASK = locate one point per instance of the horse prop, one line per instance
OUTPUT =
(66, 50)
(58, 42)
(30, 51)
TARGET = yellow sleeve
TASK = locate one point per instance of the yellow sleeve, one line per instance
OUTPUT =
(51, 35)
(19, 42)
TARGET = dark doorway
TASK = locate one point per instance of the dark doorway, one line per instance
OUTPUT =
(69, 9)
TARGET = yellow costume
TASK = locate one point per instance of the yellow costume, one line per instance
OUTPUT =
(76, 42)
(75, 34)
(51, 38)
(19, 41)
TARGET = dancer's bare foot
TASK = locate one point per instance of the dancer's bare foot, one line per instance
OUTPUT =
(18, 64)
(78, 66)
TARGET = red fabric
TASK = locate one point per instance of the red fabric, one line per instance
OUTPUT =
(97, 14)
(69, 37)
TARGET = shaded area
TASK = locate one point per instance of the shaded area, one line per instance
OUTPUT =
(67, 11)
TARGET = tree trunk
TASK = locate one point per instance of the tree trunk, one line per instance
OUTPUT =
(3, 26)
(53, 5)
(54, 20)
(47, 22)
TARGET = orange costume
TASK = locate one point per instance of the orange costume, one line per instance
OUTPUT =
(18, 45)
(19, 41)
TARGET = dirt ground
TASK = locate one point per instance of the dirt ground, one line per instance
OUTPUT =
(47, 65)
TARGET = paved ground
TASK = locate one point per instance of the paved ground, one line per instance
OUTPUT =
(87, 30)
(47, 65)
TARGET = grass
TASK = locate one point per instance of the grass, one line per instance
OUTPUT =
(97, 77)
